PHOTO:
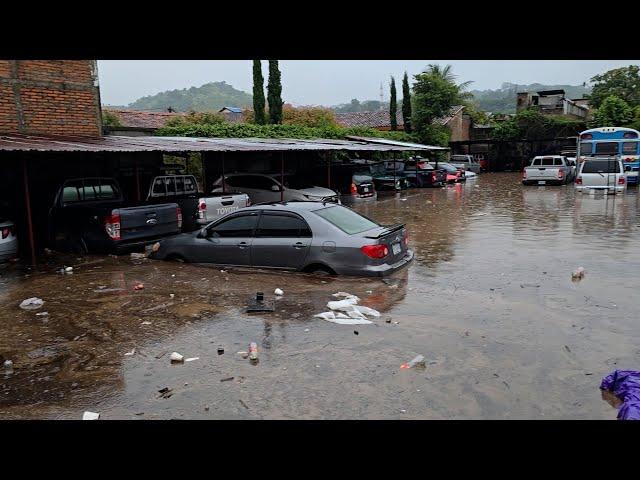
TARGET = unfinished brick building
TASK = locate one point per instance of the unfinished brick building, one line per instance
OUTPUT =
(50, 97)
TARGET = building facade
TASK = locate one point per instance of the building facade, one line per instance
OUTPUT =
(50, 97)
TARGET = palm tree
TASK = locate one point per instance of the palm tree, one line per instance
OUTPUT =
(446, 74)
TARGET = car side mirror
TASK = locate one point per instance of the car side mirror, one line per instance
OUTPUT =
(204, 233)
(627, 168)
(275, 188)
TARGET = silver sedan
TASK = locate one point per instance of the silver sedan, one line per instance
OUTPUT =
(299, 236)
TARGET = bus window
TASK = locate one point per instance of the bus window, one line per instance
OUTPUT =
(630, 148)
(607, 148)
(586, 148)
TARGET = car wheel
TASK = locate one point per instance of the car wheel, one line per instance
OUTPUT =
(176, 258)
(77, 245)
(320, 270)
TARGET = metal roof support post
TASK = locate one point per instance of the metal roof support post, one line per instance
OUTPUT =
(394, 170)
(27, 199)
(224, 181)
(137, 178)
(282, 176)
(328, 160)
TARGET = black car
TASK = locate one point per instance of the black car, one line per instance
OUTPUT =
(421, 174)
(350, 180)
(383, 178)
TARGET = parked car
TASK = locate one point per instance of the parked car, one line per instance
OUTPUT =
(454, 174)
(551, 169)
(466, 162)
(197, 209)
(90, 215)
(350, 180)
(266, 187)
(299, 236)
(383, 179)
(601, 174)
(8, 240)
(421, 174)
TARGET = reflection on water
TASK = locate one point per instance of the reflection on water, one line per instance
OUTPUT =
(488, 301)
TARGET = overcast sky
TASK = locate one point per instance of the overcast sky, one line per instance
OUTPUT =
(330, 82)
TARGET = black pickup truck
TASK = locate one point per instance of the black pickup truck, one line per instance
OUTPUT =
(89, 215)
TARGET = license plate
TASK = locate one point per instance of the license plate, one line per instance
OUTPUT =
(365, 189)
(542, 182)
(395, 248)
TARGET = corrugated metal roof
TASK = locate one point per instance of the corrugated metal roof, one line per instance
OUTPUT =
(231, 109)
(406, 145)
(115, 143)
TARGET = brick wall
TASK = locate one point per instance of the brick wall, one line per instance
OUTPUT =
(50, 97)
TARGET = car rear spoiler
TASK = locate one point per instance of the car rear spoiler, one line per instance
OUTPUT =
(387, 230)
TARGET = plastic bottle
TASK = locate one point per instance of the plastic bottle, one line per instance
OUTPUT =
(253, 352)
(416, 361)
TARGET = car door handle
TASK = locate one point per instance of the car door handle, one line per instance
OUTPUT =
(243, 244)
(298, 245)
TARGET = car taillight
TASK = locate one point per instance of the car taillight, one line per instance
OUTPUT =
(434, 177)
(620, 182)
(560, 173)
(179, 216)
(524, 174)
(248, 202)
(405, 239)
(5, 232)
(354, 189)
(112, 226)
(375, 251)
(579, 180)
(202, 210)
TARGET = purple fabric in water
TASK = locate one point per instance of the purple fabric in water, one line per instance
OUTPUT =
(625, 384)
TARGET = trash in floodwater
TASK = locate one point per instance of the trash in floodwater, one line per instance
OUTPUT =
(342, 304)
(32, 303)
(8, 365)
(622, 390)
(243, 354)
(165, 392)
(68, 269)
(146, 322)
(259, 304)
(228, 379)
(176, 357)
(253, 352)
(366, 310)
(138, 256)
(132, 352)
(90, 416)
(342, 319)
(578, 274)
(277, 291)
(138, 286)
(347, 295)
(192, 359)
(417, 361)
(42, 314)
(220, 350)
(172, 295)
(355, 332)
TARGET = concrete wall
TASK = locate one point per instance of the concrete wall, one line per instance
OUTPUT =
(50, 97)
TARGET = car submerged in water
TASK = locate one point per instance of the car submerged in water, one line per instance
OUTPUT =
(312, 237)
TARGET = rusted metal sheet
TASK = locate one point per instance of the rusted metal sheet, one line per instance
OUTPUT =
(404, 145)
(113, 143)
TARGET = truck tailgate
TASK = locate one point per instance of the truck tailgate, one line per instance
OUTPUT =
(217, 205)
(148, 221)
(542, 173)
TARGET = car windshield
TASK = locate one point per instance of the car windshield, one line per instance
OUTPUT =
(346, 220)
(601, 166)
(362, 178)
(448, 167)
(459, 159)
(295, 183)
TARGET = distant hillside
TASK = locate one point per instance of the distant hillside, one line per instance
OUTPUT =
(362, 106)
(209, 97)
(503, 100)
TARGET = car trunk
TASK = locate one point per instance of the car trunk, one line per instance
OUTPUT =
(393, 237)
(138, 223)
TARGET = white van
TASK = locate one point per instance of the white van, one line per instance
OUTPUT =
(601, 174)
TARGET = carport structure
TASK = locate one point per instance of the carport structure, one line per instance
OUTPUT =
(34, 166)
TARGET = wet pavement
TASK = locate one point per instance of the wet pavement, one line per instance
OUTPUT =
(489, 301)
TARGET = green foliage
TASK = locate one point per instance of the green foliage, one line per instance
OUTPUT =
(503, 100)
(258, 93)
(209, 97)
(317, 117)
(623, 83)
(635, 124)
(357, 106)
(245, 130)
(434, 93)
(110, 119)
(393, 106)
(406, 103)
(613, 112)
(203, 118)
(274, 93)
(530, 124)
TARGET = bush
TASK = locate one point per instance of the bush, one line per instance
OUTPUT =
(196, 118)
(316, 117)
(110, 119)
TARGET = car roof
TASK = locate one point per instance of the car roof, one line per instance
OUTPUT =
(290, 206)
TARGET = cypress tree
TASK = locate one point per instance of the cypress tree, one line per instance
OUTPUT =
(258, 94)
(274, 93)
(393, 106)
(406, 103)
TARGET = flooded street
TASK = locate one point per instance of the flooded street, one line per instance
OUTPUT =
(489, 301)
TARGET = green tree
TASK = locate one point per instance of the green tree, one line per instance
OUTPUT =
(613, 112)
(623, 83)
(110, 119)
(406, 103)
(393, 106)
(258, 94)
(274, 93)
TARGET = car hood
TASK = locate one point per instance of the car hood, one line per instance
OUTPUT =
(317, 192)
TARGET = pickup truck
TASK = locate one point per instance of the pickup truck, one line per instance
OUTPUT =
(466, 162)
(552, 169)
(197, 208)
(89, 215)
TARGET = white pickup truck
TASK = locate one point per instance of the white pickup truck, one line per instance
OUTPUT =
(550, 169)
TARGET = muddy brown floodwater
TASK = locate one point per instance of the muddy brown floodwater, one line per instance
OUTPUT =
(489, 302)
